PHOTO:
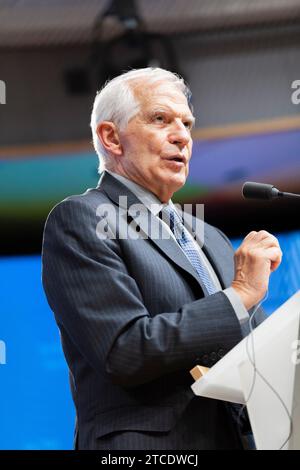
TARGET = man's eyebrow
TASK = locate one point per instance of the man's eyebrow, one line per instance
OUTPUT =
(165, 107)
(191, 118)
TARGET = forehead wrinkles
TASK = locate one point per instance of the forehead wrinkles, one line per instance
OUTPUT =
(148, 93)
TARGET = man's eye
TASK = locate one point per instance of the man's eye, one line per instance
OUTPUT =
(159, 118)
(188, 124)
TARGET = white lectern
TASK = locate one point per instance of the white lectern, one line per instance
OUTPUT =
(263, 372)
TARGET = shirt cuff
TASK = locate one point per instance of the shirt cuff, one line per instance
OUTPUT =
(237, 305)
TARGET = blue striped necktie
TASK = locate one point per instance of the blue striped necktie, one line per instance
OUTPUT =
(187, 244)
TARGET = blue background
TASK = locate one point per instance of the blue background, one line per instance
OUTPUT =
(36, 410)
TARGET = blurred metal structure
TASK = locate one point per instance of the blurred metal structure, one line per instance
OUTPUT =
(27, 23)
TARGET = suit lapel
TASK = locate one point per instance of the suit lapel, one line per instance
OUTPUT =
(215, 255)
(165, 242)
(146, 221)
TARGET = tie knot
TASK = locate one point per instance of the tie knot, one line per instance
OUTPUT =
(170, 215)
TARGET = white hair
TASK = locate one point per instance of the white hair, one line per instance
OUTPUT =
(116, 102)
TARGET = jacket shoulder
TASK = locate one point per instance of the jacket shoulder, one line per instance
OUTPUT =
(87, 202)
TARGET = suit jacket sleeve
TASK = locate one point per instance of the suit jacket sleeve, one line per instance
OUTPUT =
(99, 305)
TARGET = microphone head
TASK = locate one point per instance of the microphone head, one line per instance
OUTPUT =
(253, 190)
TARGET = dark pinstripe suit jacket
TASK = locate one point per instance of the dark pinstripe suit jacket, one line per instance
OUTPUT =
(134, 320)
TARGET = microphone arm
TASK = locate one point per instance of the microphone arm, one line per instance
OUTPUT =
(252, 190)
(290, 195)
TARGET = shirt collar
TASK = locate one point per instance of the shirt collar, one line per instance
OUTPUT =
(144, 195)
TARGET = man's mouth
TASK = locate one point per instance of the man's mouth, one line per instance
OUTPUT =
(177, 158)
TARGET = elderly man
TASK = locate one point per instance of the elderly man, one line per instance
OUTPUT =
(136, 313)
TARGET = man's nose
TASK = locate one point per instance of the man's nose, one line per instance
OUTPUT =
(180, 135)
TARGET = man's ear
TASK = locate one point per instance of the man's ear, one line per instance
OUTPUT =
(108, 134)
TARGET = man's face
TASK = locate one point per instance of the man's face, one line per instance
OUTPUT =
(157, 143)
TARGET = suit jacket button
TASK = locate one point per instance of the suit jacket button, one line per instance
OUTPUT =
(213, 356)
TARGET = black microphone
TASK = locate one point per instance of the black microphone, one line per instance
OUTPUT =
(253, 190)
